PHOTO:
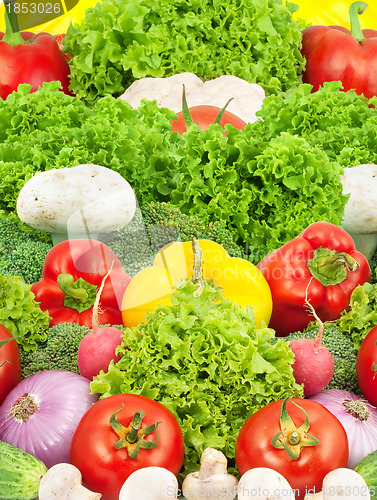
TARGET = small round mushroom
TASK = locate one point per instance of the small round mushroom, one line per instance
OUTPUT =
(263, 483)
(150, 483)
(360, 213)
(344, 483)
(76, 202)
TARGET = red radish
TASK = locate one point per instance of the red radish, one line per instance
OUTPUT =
(97, 347)
(314, 364)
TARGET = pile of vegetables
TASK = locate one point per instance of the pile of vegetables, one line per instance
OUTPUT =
(206, 361)
(188, 257)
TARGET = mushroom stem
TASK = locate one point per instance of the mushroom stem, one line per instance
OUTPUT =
(212, 480)
(63, 482)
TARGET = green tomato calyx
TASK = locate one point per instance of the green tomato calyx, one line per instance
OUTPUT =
(292, 438)
(132, 436)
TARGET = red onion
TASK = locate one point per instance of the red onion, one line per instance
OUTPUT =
(358, 417)
(42, 412)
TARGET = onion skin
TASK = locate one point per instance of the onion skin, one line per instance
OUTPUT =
(362, 434)
(62, 398)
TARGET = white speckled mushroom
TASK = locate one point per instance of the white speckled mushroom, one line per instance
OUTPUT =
(76, 202)
(360, 214)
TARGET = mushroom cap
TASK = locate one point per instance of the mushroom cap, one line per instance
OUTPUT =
(154, 482)
(360, 213)
(77, 200)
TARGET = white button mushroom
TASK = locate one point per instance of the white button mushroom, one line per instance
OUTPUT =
(74, 202)
(212, 480)
(63, 482)
(360, 213)
(263, 483)
(150, 483)
(342, 483)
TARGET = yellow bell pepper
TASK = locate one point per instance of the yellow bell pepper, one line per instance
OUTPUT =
(334, 13)
(54, 17)
(240, 280)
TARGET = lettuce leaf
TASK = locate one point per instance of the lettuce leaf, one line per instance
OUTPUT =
(205, 360)
(21, 314)
(120, 41)
(361, 316)
(343, 124)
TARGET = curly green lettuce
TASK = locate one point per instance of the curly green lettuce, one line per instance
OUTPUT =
(120, 41)
(205, 360)
(264, 192)
(21, 314)
(342, 124)
(361, 316)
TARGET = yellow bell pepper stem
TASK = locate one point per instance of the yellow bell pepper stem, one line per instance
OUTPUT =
(240, 280)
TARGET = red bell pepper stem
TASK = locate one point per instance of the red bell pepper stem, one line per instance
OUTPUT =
(12, 34)
(330, 267)
(355, 9)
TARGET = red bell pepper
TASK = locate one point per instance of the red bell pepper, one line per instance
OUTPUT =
(320, 265)
(29, 58)
(72, 273)
(334, 53)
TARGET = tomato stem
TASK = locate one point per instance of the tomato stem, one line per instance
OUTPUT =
(222, 111)
(132, 437)
(186, 111)
(291, 438)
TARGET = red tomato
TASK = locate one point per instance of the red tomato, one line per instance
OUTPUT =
(204, 115)
(305, 473)
(105, 468)
(366, 366)
(10, 365)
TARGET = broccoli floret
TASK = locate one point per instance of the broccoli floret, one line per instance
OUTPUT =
(21, 254)
(58, 352)
(341, 347)
(373, 267)
(158, 223)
